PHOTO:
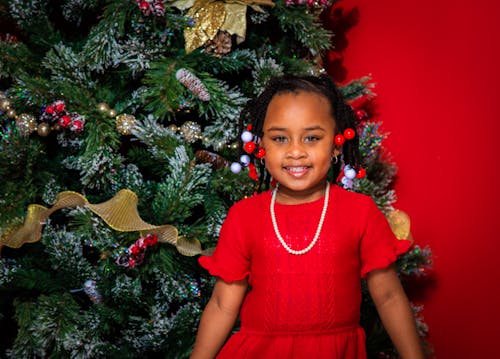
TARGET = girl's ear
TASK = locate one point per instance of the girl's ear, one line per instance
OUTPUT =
(335, 151)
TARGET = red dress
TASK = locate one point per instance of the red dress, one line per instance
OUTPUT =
(301, 306)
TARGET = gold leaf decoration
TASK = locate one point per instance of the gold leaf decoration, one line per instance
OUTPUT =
(400, 224)
(210, 16)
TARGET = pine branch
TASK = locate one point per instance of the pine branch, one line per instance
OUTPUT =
(305, 27)
(183, 190)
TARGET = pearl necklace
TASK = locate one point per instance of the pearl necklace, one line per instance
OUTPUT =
(318, 230)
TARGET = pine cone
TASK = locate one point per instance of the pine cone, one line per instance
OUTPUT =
(217, 161)
(220, 44)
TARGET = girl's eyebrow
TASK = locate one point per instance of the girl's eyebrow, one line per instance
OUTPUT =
(276, 129)
(312, 128)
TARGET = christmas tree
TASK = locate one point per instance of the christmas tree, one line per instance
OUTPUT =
(120, 154)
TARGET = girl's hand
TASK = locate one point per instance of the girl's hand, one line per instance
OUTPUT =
(395, 311)
(218, 318)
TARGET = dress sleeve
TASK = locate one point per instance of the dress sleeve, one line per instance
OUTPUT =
(230, 260)
(379, 246)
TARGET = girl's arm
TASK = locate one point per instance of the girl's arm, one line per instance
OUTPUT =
(395, 311)
(218, 318)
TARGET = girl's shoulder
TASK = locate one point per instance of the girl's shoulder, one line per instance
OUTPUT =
(350, 199)
(252, 203)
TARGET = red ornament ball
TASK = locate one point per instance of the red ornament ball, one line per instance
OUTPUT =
(249, 147)
(349, 133)
(339, 140)
(361, 173)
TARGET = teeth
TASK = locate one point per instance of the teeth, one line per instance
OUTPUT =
(296, 169)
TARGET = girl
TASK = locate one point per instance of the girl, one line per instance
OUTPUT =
(289, 261)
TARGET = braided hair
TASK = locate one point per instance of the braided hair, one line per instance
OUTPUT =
(255, 111)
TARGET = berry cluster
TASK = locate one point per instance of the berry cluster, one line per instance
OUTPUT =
(134, 255)
(57, 115)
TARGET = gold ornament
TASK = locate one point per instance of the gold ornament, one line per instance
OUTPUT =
(173, 128)
(125, 123)
(43, 129)
(11, 113)
(26, 124)
(120, 213)
(103, 107)
(191, 131)
(112, 113)
(5, 104)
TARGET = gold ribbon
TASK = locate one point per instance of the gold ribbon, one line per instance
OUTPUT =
(120, 213)
(210, 16)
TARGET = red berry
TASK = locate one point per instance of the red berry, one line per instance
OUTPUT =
(77, 125)
(60, 107)
(64, 121)
(249, 127)
(361, 173)
(49, 110)
(339, 140)
(143, 5)
(134, 249)
(249, 147)
(349, 133)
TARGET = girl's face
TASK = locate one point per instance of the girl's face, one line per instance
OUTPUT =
(298, 136)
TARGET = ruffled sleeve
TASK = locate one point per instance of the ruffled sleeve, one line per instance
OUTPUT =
(231, 259)
(379, 246)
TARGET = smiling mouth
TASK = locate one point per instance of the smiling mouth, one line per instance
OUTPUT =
(296, 170)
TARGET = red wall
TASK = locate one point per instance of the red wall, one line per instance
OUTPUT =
(436, 68)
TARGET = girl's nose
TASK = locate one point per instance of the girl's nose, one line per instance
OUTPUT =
(296, 150)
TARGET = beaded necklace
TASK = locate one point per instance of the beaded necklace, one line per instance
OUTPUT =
(318, 230)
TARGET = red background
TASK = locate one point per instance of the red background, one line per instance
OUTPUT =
(435, 65)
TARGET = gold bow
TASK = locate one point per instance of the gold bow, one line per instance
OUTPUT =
(120, 213)
(210, 16)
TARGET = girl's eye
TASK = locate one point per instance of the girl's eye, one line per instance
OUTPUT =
(311, 138)
(279, 139)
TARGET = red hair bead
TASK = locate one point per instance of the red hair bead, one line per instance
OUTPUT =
(349, 133)
(339, 140)
(260, 153)
(249, 147)
(361, 173)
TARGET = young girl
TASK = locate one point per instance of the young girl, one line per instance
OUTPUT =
(289, 261)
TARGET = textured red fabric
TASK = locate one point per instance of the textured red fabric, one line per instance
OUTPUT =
(304, 306)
